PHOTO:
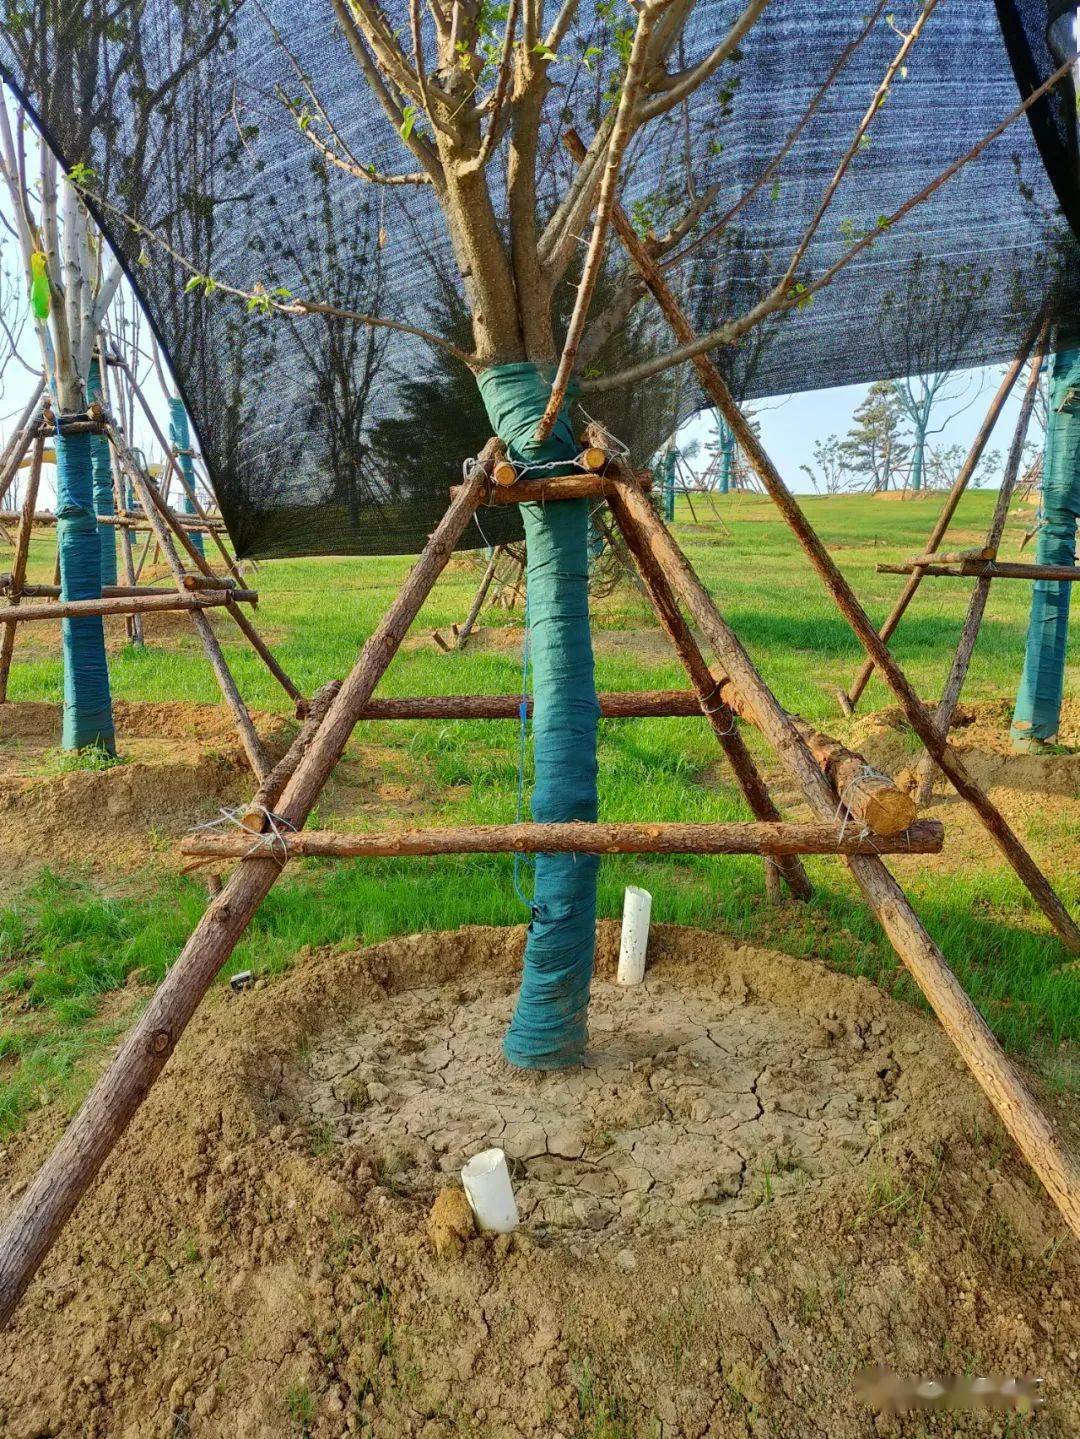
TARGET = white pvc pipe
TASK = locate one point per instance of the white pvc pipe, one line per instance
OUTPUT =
(637, 910)
(489, 1191)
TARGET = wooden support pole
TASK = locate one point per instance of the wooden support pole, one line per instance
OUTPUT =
(140, 604)
(31, 1228)
(18, 565)
(760, 837)
(918, 716)
(270, 791)
(157, 512)
(988, 569)
(478, 600)
(850, 698)
(178, 470)
(207, 582)
(53, 592)
(619, 704)
(261, 648)
(950, 695)
(1015, 1105)
(557, 487)
(951, 557)
(134, 623)
(19, 441)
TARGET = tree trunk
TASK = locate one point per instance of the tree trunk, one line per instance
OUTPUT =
(1038, 703)
(917, 454)
(87, 703)
(104, 498)
(549, 1026)
(180, 434)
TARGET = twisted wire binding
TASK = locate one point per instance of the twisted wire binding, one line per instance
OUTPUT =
(270, 846)
(719, 709)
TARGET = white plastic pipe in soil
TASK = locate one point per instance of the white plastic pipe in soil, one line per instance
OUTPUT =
(637, 911)
(489, 1192)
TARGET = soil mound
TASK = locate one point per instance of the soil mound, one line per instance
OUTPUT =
(257, 1258)
(181, 762)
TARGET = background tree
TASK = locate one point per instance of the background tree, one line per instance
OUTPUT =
(927, 326)
(875, 449)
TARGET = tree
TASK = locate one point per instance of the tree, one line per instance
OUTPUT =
(72, 281)
(926, 328)
(830, 475)
(874, 448)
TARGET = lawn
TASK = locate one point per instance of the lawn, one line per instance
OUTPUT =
(77, 952)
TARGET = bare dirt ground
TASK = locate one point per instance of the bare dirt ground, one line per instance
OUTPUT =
(767, 1177)
(181, 763)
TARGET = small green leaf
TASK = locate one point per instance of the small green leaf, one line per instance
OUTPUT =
(408, 122)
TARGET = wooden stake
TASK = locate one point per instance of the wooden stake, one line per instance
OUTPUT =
(18, 565)
(761, 837)
(481, 595)
(557, 487)
(950, 696)
(952, 557)
(19, 442)
(1014, 1103)
(115, 605)
(918, 716)
(989, 570)
(43, 1208)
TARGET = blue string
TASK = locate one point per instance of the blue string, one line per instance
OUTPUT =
(523, 730)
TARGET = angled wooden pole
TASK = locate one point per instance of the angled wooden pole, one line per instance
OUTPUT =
(31, 1228)
(719, 714)
(918, 716)
(478, 600)
(1016, 1106)
(950, 695)
(144, 488)
(849, 698)
(19, 440)
(18, 564)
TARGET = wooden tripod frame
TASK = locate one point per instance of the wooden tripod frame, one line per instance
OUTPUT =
(297, 782)
(197, 587)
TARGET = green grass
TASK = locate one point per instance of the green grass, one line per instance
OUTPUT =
(69, 943)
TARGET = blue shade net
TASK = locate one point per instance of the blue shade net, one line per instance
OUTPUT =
(180, 434)
(323, 435)
(1038, 703)
(548, 1029)
(87, 707)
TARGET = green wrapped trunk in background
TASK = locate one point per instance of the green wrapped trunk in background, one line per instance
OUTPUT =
(1038, 703)
(549, 1027)
(104, 501)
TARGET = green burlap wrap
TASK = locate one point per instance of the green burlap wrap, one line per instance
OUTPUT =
(549, 1026)
(1038, 702)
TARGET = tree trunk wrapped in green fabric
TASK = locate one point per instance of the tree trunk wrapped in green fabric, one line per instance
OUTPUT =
(180, 434)
(104, 503)
(1038, 703)
(549, 1026)
(87, 702)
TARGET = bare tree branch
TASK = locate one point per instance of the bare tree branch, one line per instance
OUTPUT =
(777, 302)
(677, 87)
(594, 258)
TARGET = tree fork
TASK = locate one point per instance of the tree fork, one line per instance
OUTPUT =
(1017, 1108)
(31, 1229)
(917, 714)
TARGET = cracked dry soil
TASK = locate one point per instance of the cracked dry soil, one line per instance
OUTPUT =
(768, 1177)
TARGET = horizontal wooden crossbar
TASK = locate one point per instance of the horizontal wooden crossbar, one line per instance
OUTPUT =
(122, 605)
(760, 837)
(990, 570)
(557, 487)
